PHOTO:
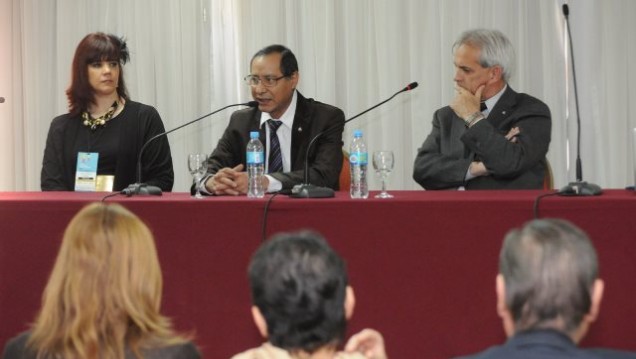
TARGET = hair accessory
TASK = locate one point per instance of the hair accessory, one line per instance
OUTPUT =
(124, 55)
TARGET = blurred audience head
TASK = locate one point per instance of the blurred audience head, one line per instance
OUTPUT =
(104, 292)
(548, 279)
(300, 293)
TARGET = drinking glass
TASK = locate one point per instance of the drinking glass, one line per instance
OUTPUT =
(383, 165)
(197, 167)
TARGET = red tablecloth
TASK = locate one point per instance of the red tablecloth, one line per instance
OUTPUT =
(423, 264)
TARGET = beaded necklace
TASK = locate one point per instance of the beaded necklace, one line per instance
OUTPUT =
(101, 120)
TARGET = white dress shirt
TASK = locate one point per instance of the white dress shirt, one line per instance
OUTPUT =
(284, 134)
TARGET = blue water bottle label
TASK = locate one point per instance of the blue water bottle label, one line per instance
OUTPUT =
(254, 158)
(358, 158)
(362, 158)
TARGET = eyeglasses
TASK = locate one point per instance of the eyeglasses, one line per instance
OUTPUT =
(267, 81)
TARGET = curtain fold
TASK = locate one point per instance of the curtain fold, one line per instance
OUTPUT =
(189, 57)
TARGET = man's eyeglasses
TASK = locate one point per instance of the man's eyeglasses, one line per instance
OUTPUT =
(267, 81)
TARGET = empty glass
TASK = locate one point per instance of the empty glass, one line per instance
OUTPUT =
(197, 167)
(383, 165)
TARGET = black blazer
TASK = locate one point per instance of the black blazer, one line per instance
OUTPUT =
(444, 158)
(16, 348)
(547, 344)
(311, 118)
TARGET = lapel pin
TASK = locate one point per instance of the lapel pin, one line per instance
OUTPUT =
(300, 129)
(503, 112)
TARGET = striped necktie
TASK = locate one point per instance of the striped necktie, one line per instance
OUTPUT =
(275, 158)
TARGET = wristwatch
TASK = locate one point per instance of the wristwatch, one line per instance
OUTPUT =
(474, 118)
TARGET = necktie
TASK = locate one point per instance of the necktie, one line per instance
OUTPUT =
(482, 108)
(275, 158)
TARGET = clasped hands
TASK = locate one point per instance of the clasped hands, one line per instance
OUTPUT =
(230, 181)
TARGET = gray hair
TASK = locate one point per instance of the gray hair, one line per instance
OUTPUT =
(495, 47)
(549, 267)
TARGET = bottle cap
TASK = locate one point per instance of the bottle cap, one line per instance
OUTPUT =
(254, 134)
(357, 133)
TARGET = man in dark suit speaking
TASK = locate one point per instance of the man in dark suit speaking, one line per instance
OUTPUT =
(287, 122)
(490, 137)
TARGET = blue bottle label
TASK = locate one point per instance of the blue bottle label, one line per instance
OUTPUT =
(255, 158)
(358, 158)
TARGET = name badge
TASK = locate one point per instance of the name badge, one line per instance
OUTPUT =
(104, 183)
(86, 171)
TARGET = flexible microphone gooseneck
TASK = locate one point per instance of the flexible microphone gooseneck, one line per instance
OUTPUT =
(140, 188)
(306, 189)
(579, 187)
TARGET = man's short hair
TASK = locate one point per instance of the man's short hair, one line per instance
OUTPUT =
(288, 63)
(299, 283)
(495, 47)
(549, 267)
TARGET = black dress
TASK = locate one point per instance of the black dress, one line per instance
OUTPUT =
(118, 143)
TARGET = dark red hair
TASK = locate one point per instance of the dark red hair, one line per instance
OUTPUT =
(94, 47)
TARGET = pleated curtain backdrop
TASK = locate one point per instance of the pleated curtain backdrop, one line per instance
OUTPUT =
(189, 57)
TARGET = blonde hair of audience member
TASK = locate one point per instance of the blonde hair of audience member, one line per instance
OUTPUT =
(104, 293)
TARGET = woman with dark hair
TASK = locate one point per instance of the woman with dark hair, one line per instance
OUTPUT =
(104, 122)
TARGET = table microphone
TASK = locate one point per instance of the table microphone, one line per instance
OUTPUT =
(579, 187)
(306, 189)
(140, 188)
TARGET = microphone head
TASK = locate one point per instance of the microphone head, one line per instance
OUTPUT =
(566, 10)
(410, 86)
(251, 104)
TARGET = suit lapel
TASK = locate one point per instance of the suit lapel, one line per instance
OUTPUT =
(256, 126)
(503, 107)
(300, 130)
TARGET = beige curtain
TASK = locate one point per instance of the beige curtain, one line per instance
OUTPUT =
(189, 56)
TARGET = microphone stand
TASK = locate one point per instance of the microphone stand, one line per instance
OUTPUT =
(579, 187)
(308, 190)
(140, 188)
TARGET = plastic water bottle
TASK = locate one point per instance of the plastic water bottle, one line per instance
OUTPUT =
(255, 167)
(358, 159)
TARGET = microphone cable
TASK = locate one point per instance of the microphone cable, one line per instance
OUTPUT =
(103, 200)
(265, 213)
(535, 207)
